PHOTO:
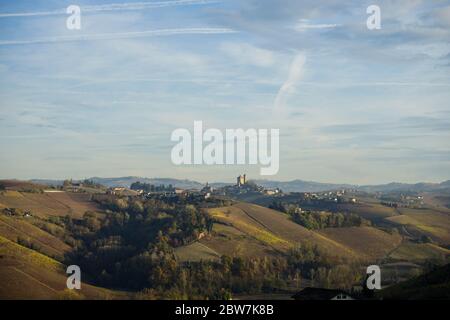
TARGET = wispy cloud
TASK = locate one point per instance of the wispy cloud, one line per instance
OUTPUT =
(376, 84)
(248, 54)
(304, 24)
(114, 7)
(295, 74)
(121, 35)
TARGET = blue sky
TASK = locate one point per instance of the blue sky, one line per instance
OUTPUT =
(361, 106)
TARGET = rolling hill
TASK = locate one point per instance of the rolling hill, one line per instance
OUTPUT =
(254, 231)
(427, 222)
(296, 185)
(27, 274)
(242, 229)
(429, 286)
(16, 229)
(48, 203)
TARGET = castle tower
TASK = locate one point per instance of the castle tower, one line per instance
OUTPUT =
(241, 180)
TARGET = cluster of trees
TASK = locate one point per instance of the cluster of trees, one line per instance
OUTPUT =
(26, 242)
(320, 219)
(132, 243)
(91, 184)
(322, 269)
(140, 220)
(86, 183)
(151, 188)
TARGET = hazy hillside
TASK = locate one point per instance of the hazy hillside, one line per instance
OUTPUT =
(432, 285)
(45, 226)
(311, 186)
(287, 186)
(301, 186)
(127, 181)
(417, 187)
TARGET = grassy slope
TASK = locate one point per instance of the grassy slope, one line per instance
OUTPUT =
(370, 211)
(368, 242)
(196, 252)
(418, 252)
(434, 224)
(12, 228)
(48, 204)
(251, 230)
(26, 274)
(432, 285)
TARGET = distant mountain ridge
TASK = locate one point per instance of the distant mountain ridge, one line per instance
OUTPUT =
(417, 187)
(127, 181)
(301, 185)
(310, 186)
(287, 186)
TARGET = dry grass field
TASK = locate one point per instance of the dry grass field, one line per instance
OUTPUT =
(431, 223)
(253, 230)
(366, 242)
(196, 252)
(370, 211)
(227, 240)
(48, 204)
(418, 252)
(27, 274)
(14, 228)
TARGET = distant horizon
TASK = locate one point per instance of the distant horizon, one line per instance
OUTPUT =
(230, 182)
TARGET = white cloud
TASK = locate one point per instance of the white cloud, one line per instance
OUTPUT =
(121, 35)
(248, 54)
(304, 24)
(113, 7)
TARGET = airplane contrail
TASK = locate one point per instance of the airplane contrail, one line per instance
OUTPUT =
(295, 73)
(121, 35)
(114, 7)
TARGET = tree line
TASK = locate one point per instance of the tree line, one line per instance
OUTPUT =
(320, 219)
